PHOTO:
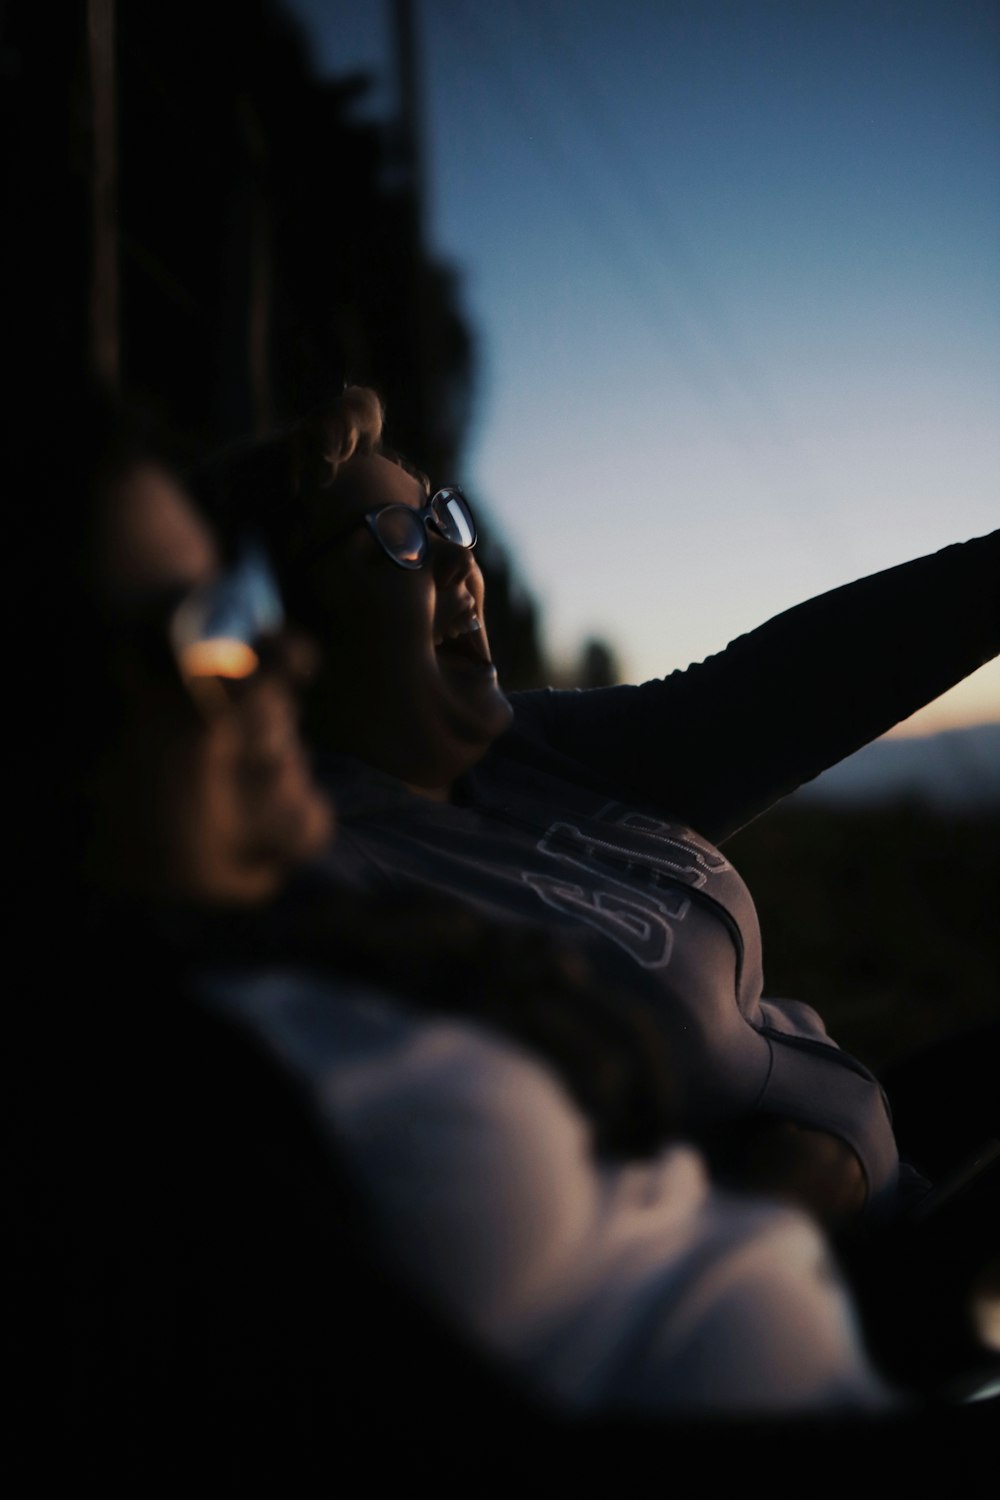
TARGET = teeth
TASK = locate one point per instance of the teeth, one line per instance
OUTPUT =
(463, 627)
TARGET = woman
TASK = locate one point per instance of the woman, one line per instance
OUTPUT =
(263, 1191)
(601, 812)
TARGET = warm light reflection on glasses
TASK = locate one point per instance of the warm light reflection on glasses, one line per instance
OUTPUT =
(226, 658)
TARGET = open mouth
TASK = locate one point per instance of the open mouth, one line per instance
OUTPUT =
(463, 643)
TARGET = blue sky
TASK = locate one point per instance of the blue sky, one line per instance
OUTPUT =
(734, 270)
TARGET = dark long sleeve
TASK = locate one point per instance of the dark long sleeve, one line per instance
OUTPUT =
(715, 745)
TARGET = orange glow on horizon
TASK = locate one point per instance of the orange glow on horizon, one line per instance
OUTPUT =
(944, 717)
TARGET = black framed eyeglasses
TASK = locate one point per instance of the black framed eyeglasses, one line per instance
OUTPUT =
(403, 532)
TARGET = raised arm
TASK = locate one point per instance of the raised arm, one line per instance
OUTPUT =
(717, 744)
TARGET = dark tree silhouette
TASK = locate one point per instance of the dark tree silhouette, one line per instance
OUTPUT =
(257, 245)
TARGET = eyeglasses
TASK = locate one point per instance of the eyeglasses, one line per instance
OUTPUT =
(403, 531)
(219, 629)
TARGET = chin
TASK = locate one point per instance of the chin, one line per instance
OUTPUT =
(317, 828)
(302, 832)
(497, 721)
(472, 748)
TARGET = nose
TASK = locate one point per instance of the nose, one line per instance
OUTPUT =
(450, 562)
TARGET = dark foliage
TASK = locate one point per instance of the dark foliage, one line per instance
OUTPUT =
(263, 244)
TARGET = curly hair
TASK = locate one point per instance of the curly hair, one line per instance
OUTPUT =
(274, 486)
(350, 424)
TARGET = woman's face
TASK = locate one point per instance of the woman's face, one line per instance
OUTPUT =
(407, 684)
(207, 798)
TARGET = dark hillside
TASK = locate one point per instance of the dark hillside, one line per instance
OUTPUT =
(887, 919)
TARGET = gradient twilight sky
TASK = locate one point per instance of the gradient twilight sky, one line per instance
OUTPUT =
(734, 270)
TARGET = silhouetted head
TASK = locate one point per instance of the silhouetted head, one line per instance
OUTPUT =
(383, 573)
(190, 779)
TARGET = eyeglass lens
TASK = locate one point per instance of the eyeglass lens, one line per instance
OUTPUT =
(215, 630)
(402, 533)
(402, 530)
(451, 511)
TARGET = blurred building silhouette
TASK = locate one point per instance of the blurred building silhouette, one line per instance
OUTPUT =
(197, 216)
(599, 665)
